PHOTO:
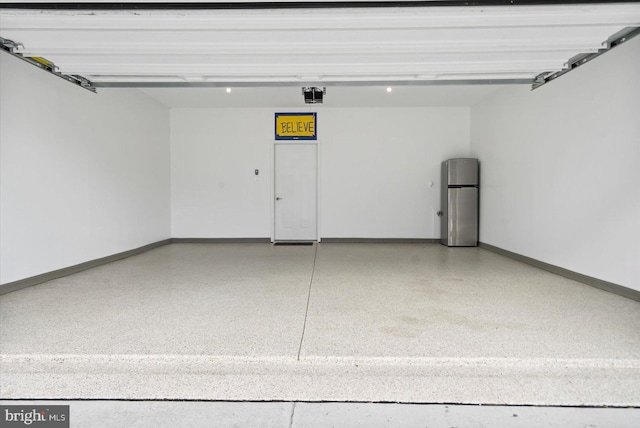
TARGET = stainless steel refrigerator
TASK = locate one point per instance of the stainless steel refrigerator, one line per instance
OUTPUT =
(459, 203)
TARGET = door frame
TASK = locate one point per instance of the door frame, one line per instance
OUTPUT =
(273, 183)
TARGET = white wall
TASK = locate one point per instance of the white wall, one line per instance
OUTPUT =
(375, 166)
(561, 168)
(214, 192)
(83, 176)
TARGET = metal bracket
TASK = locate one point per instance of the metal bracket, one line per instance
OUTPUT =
(12, 48)
(580, 59)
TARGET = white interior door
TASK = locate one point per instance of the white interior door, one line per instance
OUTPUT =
(296, 192)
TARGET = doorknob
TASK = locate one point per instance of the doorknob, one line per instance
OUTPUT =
(278, 198)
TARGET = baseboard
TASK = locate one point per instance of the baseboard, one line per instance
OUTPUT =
(378, 241)
(220, 240)
(588, 280)
(39, 279)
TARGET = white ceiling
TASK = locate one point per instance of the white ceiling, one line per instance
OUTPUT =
(336, 96)
(411, 45)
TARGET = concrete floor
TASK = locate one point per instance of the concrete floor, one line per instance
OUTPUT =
(163, 414)
(332, 322)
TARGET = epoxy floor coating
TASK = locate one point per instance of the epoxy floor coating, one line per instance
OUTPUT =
(413, 323)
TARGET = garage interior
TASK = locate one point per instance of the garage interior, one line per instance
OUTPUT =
(138, 203)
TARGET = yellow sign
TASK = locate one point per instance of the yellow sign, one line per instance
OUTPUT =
(296, 126)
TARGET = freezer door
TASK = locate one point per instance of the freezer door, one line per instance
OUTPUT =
(462, 221)
(462, 172)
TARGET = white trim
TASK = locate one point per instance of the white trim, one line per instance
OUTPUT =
(318, 187)
(273, 192)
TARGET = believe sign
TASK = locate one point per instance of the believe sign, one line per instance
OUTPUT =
(296, 126)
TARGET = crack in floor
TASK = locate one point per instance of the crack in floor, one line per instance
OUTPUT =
(306, 313)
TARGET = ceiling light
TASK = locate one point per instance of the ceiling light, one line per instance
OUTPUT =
(228, 90)
(389, 89)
